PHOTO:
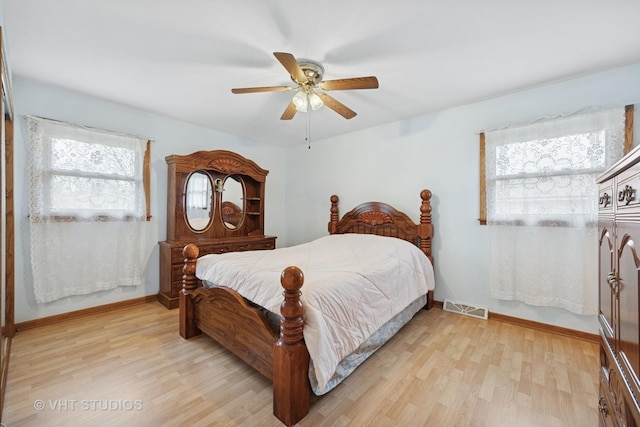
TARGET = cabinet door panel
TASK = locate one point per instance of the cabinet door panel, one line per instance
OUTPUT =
(606, 267)
(629, 280)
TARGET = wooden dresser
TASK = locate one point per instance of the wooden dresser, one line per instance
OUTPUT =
(216, 200)
(619, 283)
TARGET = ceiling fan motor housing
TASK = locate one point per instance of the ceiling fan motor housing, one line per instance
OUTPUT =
(312, 70)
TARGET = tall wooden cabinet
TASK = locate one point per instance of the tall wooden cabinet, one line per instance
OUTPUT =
(619, 282)
(215, 199)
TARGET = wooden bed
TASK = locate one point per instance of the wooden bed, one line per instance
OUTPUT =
(282, 356)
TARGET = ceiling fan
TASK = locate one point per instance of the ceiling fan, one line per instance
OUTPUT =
(307, 75)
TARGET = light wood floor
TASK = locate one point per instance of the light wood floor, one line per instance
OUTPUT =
(130, 367)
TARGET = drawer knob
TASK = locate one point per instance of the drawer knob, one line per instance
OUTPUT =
(605, 199)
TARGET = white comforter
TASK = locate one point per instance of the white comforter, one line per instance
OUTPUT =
(353, 284)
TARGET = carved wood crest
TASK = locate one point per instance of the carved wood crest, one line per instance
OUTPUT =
(226, 165)
(374, 218)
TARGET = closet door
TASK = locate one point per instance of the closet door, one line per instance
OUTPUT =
(4, 342)
(7, 228)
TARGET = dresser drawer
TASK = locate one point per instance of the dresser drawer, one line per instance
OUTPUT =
(606, 197)
(176, 272)
(178, 261)
(172, 260)
(176, 286)
(626, 191)
(221, 248)
(178, 258)
(605, 407)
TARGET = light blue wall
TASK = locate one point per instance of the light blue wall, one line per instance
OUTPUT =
(168, 136)
(391, 163)
(440, 151)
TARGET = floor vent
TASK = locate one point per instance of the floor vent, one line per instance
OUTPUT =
(467, 310)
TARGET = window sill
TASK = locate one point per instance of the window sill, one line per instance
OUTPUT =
(95, 218)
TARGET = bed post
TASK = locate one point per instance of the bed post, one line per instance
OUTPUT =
(333, 222)
(291, 390)
(189, 284)
(425, 232)
(425, 229)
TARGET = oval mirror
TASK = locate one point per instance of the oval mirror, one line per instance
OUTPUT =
(198, 201)
(232, 202)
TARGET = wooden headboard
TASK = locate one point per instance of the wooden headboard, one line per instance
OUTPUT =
(385, 220)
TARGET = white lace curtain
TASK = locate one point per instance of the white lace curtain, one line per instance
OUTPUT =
(542, 207)
(87, 209)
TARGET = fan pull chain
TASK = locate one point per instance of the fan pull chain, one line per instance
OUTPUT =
(308, 134)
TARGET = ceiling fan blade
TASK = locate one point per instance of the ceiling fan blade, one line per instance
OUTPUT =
(261, 89)
(289, 112)
(337, 106)
(370, 82)
(291, 64)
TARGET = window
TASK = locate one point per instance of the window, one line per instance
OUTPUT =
(87, 174)
(540, 202)
(546, 181)
(89, 199)
(519, 165)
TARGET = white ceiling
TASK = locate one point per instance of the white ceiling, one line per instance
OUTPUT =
(181, 58)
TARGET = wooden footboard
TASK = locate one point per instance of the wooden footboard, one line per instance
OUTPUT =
(225, 316)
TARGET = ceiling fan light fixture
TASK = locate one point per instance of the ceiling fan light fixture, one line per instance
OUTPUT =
(300, 101)
(314, 101)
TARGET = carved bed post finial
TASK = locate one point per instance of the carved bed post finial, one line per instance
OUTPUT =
(425, 207)
(189, 279)
(291, 308)
(291, 388)
(187, 324)
(334, 215)
(425, 229)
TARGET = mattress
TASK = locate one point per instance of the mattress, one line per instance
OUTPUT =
(354, 285)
